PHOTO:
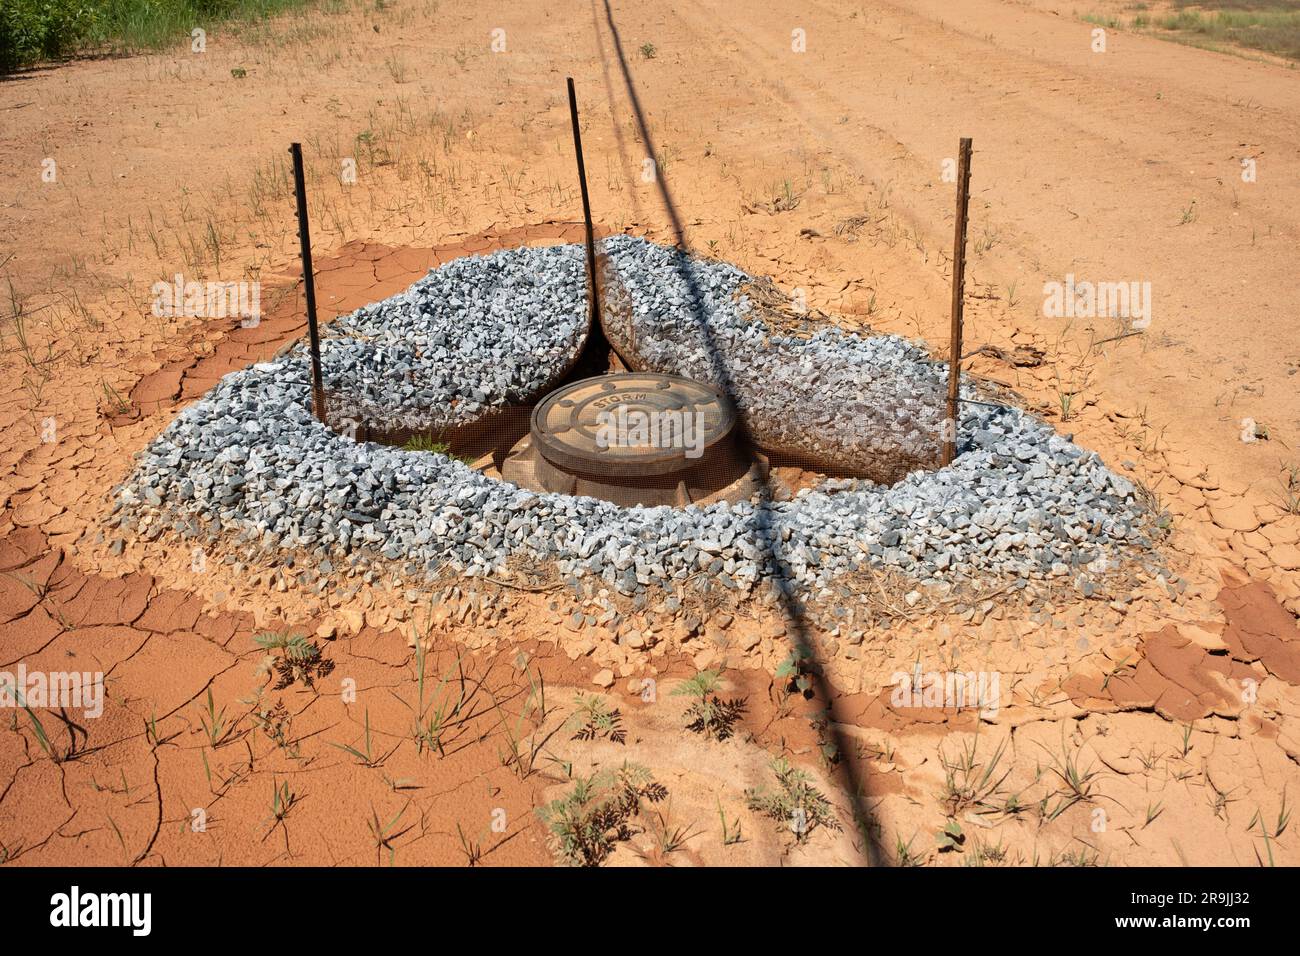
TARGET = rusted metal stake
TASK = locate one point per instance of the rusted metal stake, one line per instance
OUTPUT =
(309, 283)
(958, 295)
(593, 291)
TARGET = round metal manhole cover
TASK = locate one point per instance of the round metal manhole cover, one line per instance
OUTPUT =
(631, 424)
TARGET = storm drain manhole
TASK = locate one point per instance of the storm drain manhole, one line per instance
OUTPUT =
(634, 438)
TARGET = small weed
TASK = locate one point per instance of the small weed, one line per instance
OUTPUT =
(1079, 858)
(731, 834)
(472, 849)
(299, 659)
(521, 756)
(970, 784)
(283, 799)
(1278, 828)
(434, 716)
(983, 854)
(366, 757)
(117, 405)
(42, 738)
(795, 802)
(596, 720)
(795, 670)
(708, 713)
(1077, 781)
(586, 823)
(384, 836)
(275, 723)
(1289, 499)
(986, 241)
(950, 837)
(668, 837)
(397, 68)
(903, 855)
(214, 723)
(648, 51)
(429, 445)
(1153, 810)
(8, 853)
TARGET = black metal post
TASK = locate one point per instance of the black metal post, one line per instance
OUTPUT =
(593, 292)
(309, 284)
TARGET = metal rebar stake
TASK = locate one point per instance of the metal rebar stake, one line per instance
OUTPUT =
(593, 291)
(958, 295)
(309, 283)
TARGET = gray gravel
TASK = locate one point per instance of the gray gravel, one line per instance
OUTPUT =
(249, 462)
(478, 333)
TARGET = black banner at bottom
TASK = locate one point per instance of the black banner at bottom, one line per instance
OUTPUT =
(335, 905)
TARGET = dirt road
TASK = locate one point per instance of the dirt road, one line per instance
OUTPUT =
(1087, 163)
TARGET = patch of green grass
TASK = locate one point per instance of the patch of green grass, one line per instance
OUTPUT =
(32, 31)
(1270, 26)
(427, 444)
(1111, 23)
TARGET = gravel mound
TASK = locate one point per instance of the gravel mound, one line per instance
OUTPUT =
(476, 334)
(249, 463)
(872, 405)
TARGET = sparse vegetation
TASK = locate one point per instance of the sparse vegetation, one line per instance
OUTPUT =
(969, 782)
(731, 833)
(795, 670)
(216, 727)
(1289, 497)
(524, 747)
(449, 704)
(903, 855)
(1270, 26)
(365, 754)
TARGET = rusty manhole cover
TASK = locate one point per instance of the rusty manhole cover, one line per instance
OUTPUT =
(635, 439)
(631, 424)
